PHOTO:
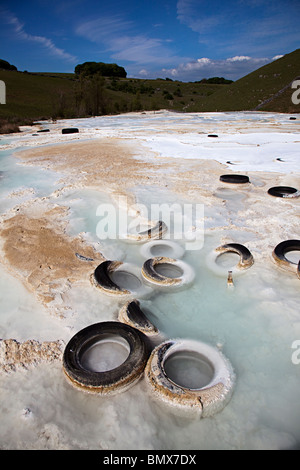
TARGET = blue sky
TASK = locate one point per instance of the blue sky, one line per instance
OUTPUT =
(184, 40)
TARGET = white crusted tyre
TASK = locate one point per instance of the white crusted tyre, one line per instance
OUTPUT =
(205, 392)
(155, 231)
(132, 314)
(162, 248)
(167, 272)
(279, 255)
(83, 364)
(246, 258)
(121, 279)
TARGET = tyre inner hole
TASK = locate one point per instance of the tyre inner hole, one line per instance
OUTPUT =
(106, 354)
(168, 270)
(161, 250)
(293, 256)
(189, 369)
(125, 280)
(228, 260)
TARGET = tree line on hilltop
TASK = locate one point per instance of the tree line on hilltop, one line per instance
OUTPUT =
(105, 70)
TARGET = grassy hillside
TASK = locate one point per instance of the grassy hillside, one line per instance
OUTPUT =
(32, 95)
(251, 91)
(35, 96)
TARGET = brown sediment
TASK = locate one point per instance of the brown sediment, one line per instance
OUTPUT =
(37, 249)
(14, 354)
(106, 163)
(117, 165)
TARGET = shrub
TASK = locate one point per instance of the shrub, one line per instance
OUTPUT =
(8, 127)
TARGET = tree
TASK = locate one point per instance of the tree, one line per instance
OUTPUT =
(215, 81)
(6, 65)
(105, 70)
(90, 96)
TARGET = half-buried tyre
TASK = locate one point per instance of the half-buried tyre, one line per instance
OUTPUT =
(90, 367)
(70, 130)
(167, 272)
(121, 279)
(234, 179)
(280, 252)
(246, 259)
(155, 232)
(162, 248)
(284, 191)
(191, 376)
(132, 314)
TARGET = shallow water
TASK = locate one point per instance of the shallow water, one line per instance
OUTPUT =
(254, 323)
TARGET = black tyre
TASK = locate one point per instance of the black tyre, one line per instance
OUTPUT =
(70, 130)
(202, 399)
(246, 258)
(180, 273)
(116, 379)
(280, 251)
(131, 314)
(155, 232)
(102, 276)
(234, 179)
(281, 191)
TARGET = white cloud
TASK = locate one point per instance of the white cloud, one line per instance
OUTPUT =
(277, 57)
(142, 50)
(191, 13)
(103, 29)
(239, 58)
(230, 68)
(118, 38)
(43, 41)
(254, 26)
(143, 73)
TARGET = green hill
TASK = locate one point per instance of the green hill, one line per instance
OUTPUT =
(266, 89)
(36, 96)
